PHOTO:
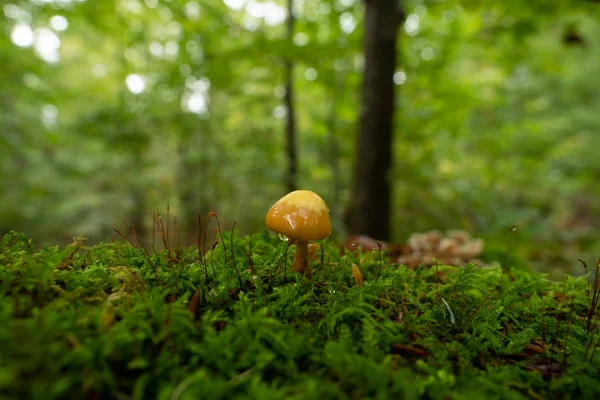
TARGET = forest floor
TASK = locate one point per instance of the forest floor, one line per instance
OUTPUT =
(113, 321)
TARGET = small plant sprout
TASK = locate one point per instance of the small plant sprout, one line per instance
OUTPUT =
(301, 216)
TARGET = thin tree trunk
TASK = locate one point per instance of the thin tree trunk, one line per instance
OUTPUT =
(291, 149)
(370, 208)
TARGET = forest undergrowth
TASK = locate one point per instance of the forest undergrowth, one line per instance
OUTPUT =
(229, 319)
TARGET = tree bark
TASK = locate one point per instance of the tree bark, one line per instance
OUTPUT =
(291, 149)
(370, 207)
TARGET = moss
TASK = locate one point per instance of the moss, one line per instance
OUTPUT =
(98, 322)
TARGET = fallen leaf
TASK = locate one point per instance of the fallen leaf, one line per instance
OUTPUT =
(194, 302)
(407, 350)
(534, 348)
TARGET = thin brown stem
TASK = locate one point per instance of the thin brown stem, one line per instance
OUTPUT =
(206, 234)
(161, 229)
(120, 227)
(212, 263)
(221, 235)
(144, 253)
(201, 259)
(135, 236)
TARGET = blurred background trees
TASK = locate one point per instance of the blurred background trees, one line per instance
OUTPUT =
(116, 108)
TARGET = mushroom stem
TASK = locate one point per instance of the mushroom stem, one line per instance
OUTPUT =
(301, 258)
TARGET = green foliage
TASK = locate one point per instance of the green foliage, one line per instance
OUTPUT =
(93, 321)
(496, 122)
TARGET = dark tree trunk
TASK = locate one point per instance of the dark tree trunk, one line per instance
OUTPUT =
(291, 149)
(370, 208)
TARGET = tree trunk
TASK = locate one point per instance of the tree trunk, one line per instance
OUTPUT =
(370, 208)
(291, 149)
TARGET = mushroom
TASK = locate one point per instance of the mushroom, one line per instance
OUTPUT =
(300, 216)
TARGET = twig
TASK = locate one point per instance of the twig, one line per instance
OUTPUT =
(161, 229)
(120, 227)
(135, 236)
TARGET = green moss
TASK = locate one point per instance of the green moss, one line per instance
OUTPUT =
(98, 322)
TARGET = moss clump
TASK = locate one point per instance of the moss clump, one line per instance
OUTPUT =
(107, 322)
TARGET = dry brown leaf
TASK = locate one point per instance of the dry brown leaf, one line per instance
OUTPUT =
(193, 303)
(408, 350)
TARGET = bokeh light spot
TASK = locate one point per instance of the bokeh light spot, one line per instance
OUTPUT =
(22, 35)
(135, 83)
(59, 23)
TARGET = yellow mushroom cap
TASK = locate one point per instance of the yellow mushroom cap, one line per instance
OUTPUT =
(300, 215)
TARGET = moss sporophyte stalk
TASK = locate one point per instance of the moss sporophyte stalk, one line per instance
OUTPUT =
(108, 321)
